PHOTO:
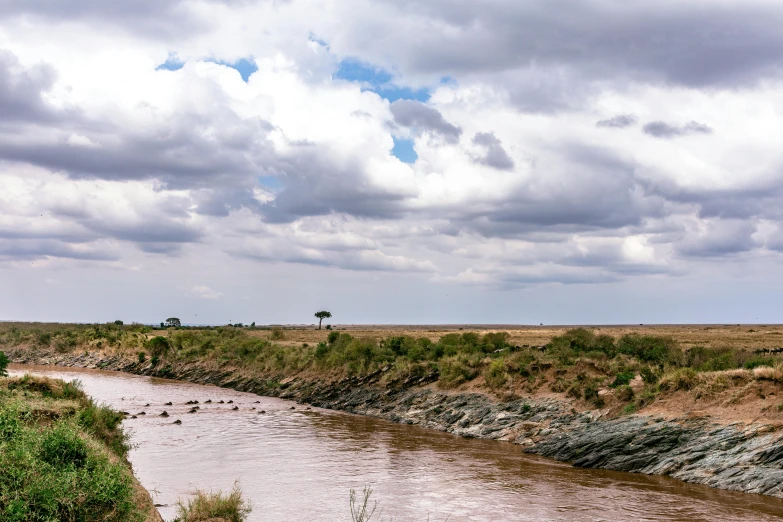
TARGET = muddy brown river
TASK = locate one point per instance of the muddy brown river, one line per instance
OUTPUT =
(299, 464)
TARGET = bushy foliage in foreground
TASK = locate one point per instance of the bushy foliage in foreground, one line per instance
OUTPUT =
(206, 506)
(53, 466)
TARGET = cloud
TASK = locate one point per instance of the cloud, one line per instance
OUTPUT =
(736, 44)
(661, 129)
(495, 155)
(411, 113)
(618, 122)
(719, 238)
(22, 90)
(204, 292)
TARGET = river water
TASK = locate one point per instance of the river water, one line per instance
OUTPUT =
(299, 464)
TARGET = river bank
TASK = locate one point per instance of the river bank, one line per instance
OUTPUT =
(744, 457)
(64, 458)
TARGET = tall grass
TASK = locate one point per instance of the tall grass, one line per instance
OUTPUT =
(210, 506)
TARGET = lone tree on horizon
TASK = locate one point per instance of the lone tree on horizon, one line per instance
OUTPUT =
(173, 321)
(321, 316)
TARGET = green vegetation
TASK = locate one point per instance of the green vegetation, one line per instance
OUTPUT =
(3, 364)
(585, 365)
(62, 457)
(207, 506)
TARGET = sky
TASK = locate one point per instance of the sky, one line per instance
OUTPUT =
(392, 161)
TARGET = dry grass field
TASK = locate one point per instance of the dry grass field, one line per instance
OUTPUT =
(712, 336)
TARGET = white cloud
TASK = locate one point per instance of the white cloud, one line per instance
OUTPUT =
(110, 163)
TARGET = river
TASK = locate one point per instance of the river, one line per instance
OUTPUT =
(297, 463)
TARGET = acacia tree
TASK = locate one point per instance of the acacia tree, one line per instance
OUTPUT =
(173, 321)
(321, 316)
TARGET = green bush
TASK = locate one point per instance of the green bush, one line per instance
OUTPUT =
(277, 334)
(649, 348)
(3, 364)
(454, 371)
(649, 376)
(158, 346)
(622, 379)
(495, 374)
(62, 447)
(332, 337)
(142, 357)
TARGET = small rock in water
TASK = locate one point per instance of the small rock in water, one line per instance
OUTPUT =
(164, 414)
(177, 422)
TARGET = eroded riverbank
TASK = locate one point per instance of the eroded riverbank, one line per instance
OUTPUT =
(298, 462)
(738, 457)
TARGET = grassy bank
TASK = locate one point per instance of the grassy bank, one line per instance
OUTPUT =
(617, 369)
(63, 458)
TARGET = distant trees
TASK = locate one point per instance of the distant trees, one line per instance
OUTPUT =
(173, 321)
(321, 316)
(118, 323)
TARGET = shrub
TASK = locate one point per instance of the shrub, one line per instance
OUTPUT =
(142, 357)
(158, 346)
(622, 379)
(649, 376)
(495, 374)
(591, 394)
(277, 334)
(62, 447)
(155, 360)
(494, 341)
(332, 337)
(321, 350)
(453, 372)
(3, 364)
(625, 393)
(328, 326)
(648, 348)
(118, 323)
(680, 379)
(206, 506)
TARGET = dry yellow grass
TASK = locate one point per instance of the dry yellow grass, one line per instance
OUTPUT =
(713, 336)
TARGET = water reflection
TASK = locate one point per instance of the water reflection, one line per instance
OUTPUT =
(299, 464)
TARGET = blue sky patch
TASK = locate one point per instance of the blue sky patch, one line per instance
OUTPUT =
(244, 66)
(377, 80)
(270, 182)
(403, 150)
(172, 63)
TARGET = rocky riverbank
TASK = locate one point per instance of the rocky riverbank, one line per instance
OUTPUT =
(738, 457)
